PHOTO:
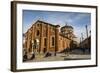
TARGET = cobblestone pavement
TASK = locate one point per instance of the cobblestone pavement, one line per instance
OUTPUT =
(60, 57)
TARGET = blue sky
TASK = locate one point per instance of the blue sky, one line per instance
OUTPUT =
(75, 19)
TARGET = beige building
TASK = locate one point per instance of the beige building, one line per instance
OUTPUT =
(44, 37)
(86, 43)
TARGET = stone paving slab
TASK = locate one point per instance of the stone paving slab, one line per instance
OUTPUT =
(60, 57)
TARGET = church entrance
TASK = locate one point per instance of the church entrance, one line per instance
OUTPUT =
(35, 45)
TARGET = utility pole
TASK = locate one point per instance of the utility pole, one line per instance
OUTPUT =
(90, 33)
(82, 37)
(87, 37)
(86, 31)
(82, 40)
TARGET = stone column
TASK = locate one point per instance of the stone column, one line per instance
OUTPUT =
(28, 41)
(41, 39)
(56, 38)
(48, 38)
(33, 35)
(35, 50)
(32, 39)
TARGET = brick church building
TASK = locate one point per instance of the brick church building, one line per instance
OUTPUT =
(44, 37)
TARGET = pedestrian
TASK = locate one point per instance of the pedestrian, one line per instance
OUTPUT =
(25, 57)
(33, 56)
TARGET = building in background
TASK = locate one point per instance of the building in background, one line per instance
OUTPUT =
(44, 37)
(86, 44)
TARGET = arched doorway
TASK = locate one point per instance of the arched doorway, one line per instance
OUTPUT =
(35, 44)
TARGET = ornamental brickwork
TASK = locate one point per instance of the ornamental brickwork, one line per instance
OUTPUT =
(44, 37)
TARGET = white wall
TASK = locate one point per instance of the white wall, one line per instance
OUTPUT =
(5, 37)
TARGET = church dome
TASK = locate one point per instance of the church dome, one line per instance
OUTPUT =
(67, 26)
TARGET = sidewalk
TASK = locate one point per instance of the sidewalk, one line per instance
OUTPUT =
(60, 57)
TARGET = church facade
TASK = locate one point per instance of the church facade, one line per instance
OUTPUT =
(44, 37)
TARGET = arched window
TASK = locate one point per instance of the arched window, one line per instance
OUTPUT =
(53, 41)
(38, 33)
